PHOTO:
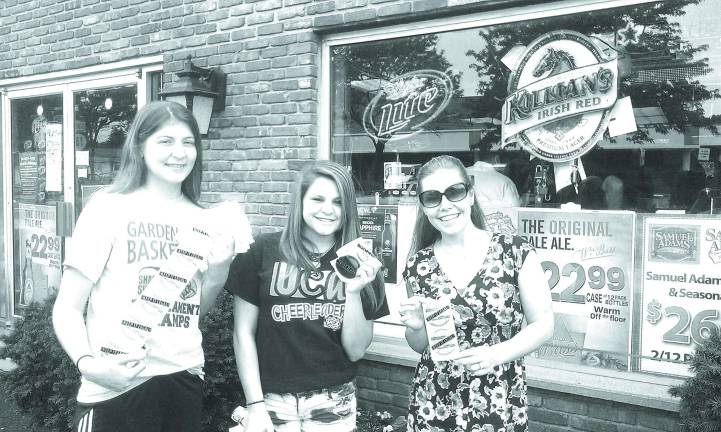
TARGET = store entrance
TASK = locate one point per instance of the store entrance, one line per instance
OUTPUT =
(65, 144)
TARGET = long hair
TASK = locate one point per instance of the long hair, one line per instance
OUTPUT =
(424, 233)
(148, 120)
(291, 240)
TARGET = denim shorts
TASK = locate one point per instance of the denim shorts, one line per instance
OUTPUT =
(331, 409)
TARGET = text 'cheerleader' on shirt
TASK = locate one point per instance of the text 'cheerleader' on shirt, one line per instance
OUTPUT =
(119, 243)
(300, 313)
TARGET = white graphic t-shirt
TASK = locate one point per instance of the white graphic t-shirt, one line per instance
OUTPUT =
(119, 243)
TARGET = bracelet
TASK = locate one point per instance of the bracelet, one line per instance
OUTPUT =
(247, 404)
(77, 362)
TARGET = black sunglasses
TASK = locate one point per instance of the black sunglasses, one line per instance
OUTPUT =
(433, 198)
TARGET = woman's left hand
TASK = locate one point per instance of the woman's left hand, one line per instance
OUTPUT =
(365, 274)
(480, 360)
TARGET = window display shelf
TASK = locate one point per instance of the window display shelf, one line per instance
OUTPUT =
(644, 390)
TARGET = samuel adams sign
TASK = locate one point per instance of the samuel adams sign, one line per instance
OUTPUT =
(560, 94)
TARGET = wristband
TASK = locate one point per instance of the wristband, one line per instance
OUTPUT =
(247, 404)
(77, 362)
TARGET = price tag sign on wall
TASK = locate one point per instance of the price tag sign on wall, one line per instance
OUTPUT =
(681, 290)
(587, 257)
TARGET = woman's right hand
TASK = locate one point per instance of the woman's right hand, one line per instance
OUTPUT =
(411, 312)
(259, 419)
(113, 372)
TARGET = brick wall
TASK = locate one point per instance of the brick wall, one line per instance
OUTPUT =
(385, 387)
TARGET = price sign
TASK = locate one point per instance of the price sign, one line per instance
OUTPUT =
(596, 277)
(44, 248)
(588, 261)
(681, 290)
(40, 254)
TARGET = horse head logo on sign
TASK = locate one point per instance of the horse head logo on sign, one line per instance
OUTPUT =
(560, 96)
(406, 103)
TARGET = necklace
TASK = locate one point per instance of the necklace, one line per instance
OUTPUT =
(316, 256)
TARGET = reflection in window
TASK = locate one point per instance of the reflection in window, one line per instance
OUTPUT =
(102, 119)
(670, 67)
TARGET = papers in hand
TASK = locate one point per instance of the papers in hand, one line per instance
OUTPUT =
(441, 329)
(351, 255)
(228, 218)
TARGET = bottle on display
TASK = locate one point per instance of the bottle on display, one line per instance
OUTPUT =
(707, 202)
(28, 281)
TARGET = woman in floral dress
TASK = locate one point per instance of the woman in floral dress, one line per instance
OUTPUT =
(493, 283)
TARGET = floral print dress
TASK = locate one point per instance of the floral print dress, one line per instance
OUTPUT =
(446, 398)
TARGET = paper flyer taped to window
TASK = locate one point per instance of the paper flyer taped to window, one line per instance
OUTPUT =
(623, 120)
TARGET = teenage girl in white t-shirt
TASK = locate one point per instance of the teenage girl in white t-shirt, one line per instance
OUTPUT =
(124, 235)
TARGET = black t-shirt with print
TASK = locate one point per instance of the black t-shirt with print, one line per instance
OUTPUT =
(299, 318)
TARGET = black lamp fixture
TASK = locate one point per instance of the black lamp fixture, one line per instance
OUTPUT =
(201, 90)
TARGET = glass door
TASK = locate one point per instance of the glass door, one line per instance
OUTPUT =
(102, 117)
(36, 154)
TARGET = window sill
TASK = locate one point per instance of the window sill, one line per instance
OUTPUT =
(644, 390)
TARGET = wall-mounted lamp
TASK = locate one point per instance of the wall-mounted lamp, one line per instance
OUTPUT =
(201, 90)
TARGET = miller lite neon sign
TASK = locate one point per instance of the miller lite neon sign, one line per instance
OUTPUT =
(406, 103)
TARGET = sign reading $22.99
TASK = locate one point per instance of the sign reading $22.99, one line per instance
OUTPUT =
(588, 261)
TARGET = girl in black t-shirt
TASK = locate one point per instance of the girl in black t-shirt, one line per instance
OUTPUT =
(299, 326)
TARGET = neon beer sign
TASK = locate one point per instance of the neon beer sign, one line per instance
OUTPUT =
(406, 103)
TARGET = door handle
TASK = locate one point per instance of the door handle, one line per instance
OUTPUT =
(65, 218)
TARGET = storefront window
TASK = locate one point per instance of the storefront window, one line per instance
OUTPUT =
(397, 102)
(633, 264)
